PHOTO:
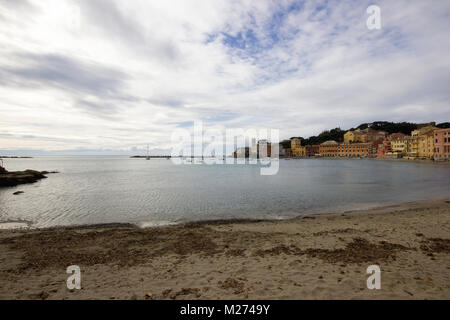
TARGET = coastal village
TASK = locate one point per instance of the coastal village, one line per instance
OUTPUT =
(427, 142)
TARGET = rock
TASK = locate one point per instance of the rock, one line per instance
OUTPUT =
(49, 172)
(43, 295)
(149, 295)
(14, 178)
(18, 192)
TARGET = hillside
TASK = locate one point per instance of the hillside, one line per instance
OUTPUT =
(337, 134)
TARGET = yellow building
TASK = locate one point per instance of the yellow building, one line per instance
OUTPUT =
(363, 136)
(426, 145)
(422, 143)
(297, 149)
(353, 136)
(401, 145)
(414, 144)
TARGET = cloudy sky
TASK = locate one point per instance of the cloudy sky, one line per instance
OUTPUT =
(113, 76)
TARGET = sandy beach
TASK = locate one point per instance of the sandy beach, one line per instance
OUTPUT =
(314, 257)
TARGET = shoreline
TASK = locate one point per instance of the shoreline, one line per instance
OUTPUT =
(216, 222)
(371, 159)
(313, 257)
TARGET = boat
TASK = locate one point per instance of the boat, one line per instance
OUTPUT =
(147, 157)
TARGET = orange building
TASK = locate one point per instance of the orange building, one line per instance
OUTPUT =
(328, 148)
(354, 150)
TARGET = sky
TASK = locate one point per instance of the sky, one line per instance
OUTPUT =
(109, 76)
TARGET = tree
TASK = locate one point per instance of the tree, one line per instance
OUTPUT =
(443, 125)
(286, 144)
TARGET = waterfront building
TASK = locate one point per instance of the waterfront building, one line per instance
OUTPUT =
(442, 144)
(422, 143)
(392, 146)
(383, 148)
(375, 144)
(401, 145)
(328, 148)
(312, 150)
(261, 149)
(297, 149)
(354, 150)
(426, 145)
(242, 153)
(285, 152)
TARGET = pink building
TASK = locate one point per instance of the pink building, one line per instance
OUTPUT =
(383, 148)
(442, 144)
(384, 145)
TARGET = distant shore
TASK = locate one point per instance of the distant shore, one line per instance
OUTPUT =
(373, 159)
(314, 257)
(15, 157)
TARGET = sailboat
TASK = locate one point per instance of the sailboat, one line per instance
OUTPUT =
(148, 157)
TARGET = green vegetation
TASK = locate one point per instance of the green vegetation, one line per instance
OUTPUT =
(443, 125)
(390, 127)
(286, 144)
(337, 134)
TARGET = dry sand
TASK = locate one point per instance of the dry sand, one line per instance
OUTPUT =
(319, 257)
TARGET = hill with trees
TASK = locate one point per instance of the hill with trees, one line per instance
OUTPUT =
(337, 134)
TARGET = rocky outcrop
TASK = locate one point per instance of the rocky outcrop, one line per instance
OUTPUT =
(14, 178)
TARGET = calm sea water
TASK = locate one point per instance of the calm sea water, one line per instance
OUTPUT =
(108, 189)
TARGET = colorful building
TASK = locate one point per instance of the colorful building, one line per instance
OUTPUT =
(285, 152)
(392, 146)
(442, 144)
(401, 145)
(313, 150)
(363, 136)
(354, 150)
(297, 149)
(426, 145)
(422, 143)
(328, 148)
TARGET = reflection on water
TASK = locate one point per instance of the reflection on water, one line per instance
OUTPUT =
(91, 190)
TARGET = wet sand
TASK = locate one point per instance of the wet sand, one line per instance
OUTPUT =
(317, 257)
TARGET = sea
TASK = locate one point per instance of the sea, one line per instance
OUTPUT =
(92, 190)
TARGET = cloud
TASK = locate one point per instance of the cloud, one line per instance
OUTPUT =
(110, 75)
(43, 70)
(106, 17)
